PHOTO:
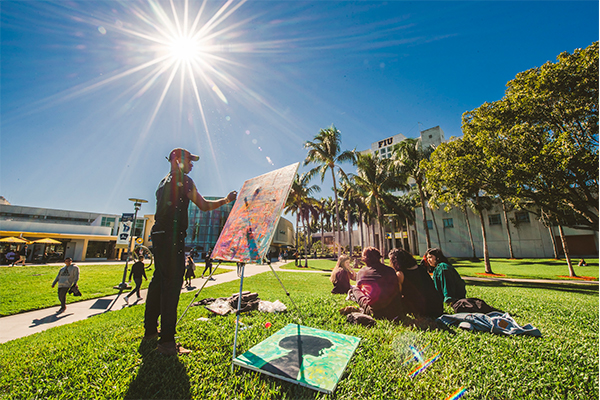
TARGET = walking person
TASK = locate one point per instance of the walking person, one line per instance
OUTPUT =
(207, 265)
(66, 278)
(190, 267)
(22, 255)
(173, 195)
(138, 271)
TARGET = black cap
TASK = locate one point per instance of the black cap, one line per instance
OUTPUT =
(182, 153)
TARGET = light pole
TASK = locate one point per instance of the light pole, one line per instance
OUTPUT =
(137, 203)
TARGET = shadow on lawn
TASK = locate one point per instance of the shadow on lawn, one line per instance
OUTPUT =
(561, 287)
(159, 377)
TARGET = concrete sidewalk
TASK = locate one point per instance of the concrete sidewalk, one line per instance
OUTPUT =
(27, 323)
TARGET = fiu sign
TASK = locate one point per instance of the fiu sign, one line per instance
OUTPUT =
(386, 142)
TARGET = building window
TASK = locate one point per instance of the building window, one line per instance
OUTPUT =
(429, 224)
(107, 221)
(495, 219)
(522, 217)
(383, 150)
(448, 223)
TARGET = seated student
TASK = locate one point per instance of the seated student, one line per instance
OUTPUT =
(446, 279)
(341, 276)
(376, 289)
(418, 291)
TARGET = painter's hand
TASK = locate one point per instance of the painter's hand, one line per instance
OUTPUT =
(232, 196)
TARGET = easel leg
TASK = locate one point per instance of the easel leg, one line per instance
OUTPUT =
(237, 318)
(198, 293)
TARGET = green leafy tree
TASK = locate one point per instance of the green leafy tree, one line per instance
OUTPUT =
(325, 151)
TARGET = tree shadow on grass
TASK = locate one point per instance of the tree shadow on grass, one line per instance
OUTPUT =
(561, 287)
(159, 377)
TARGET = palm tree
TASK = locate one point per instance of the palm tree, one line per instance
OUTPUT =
(299, 192)
(350, 203)
(325, 151)
(376, 179)
(408, 156)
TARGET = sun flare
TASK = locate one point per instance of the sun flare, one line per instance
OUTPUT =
(184, 48)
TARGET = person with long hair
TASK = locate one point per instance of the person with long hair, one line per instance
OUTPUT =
(377, 291)
(341, 275)
(418, 291)
(446, 279)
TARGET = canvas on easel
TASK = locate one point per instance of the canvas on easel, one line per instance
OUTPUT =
(250, 228)
(306, 356)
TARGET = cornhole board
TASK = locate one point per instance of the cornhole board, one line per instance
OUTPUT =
(250, 227)
(306, 356)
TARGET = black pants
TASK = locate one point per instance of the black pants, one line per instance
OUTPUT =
(62, 296)
(165, 287)
(138, 286)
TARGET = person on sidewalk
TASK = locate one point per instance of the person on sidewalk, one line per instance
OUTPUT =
(190, 268)
(66, 278)
(208, 264)
(22, 255)
(168, 236)
(138, 271)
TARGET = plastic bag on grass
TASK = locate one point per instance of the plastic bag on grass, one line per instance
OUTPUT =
(267, 306)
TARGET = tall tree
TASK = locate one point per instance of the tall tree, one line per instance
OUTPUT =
(408, 156)
(325, 151)
(298, 196)
(377, 178)
(456, 172)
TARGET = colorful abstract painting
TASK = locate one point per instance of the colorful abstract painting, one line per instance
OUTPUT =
(310, 357)
(249, 230)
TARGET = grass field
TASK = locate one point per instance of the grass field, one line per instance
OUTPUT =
(532, 268)
(29, 288)
(101, 357)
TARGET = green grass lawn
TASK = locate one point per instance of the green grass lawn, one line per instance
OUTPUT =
(101, 357)
(532, 268)
(29, 288)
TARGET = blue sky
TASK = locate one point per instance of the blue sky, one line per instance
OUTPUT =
(93, 98)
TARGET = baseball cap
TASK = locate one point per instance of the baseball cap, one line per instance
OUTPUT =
(182, 153)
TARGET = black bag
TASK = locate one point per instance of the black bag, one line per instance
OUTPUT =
(74, 290)
(473, 305)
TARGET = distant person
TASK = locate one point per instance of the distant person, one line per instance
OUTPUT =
(207, 265)
(66, 278)
(190, 267)
(446, 279)
(22, 255)
(376, 290)
(582, 263)
(173, 195)
(138, 271)
(11, 257)
(341, 276)
(418, 291)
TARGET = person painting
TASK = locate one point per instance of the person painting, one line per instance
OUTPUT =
(446, 279)
(418, 291)
(66, 278)
(173, 195)
(377, 291)
(341, 276)
(138, 271)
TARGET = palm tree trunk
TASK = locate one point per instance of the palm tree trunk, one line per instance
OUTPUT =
(486, 254)
(382, 241)
(349, 233)
(510, 247)
(337, 212)
(566, 251)
(464, 210)
(306, 240)
(297, 236)
(554, 246)
(322, 235)
(422, 197)
(437, 231)
(411, 245)
(362, 237)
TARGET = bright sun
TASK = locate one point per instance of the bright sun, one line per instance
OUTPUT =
(184, 48)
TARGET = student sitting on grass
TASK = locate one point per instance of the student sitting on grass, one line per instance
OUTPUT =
(341, 276)
(446, 279)
(376, 290)
(418, 291)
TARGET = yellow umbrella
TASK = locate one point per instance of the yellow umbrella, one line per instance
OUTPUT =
(47, 241)
(12, 239)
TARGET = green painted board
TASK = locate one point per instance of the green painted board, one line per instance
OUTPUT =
(310, 357)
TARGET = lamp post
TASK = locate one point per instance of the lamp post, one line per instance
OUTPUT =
(137, 203)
